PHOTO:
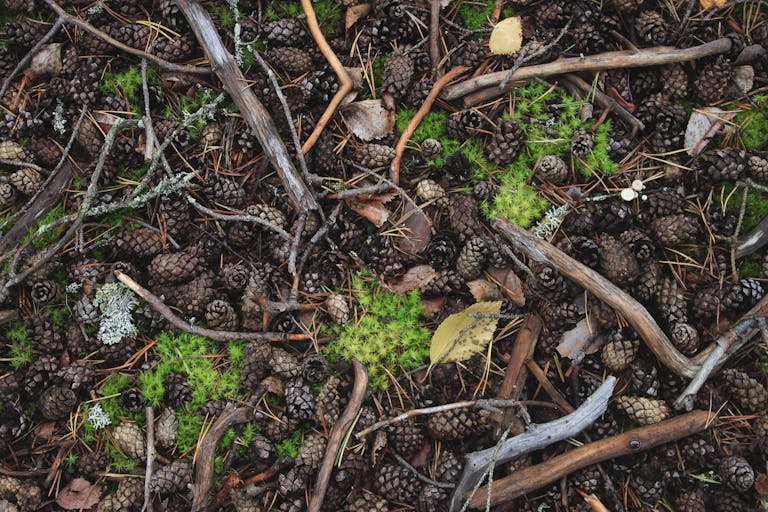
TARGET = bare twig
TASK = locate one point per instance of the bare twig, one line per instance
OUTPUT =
(338, 433)
(238, 218)
(150, 413)
(400, 460)
(170, 66)
(531, 478)
(345, 83)
(250, 107)
(19, 163)
(608, 103)
(30, 54)
(434, 34)
(476, 463)
(423, 111)
(231, 415)
(610, 60)
(180, 324)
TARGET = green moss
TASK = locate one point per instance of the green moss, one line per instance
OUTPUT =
(476, 13)
(516, 201)
(190, 427)
(751, 269)
(328, 12)
(20, 352)
(433, 126)
(112, 388)
(59, 315)
(16, 331)
(120, 463)
(753, 123)
(757, 205)
(128, 83)
(49, 237)
(387, 335)
(225, 16)
(290, 446)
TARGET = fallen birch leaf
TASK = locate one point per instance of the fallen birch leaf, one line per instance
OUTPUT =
(578, 341)
(79, 494)
(703, 124)
(415, 277)
(706, 4)
(462, 335)
(417, 230)
(354, 13)
(507, 36)
(373, 209)
(744, 78)
(368, 119)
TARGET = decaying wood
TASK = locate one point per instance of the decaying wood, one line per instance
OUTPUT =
(338, 433)
(529, 479)
(514, 377)
(476, 464)
(543, 252)
(753, 241)
(252, 110)
(423, 111)
(610, 60)
(8, 315)
(345, 82)
(204, 462)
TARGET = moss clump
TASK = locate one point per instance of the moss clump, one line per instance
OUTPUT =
(433, 126)
(290, 446)
(385, 335)
(517, 201)
(753, 123)
(20, 352)
(120, 463)
(49, 237)
(757, 205)
(476, 14)
(328, 12)
(111, 389)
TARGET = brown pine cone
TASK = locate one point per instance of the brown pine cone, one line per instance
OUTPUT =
(761, 433)
(757, 167)
(620, 349)
(57, 402)
(552, 168)
(462, 215)
(284, 32)
(472, 259)
(691, 501)
(685, 337)
(328, 403)
(737, 473)
(396, 483)
(430, 191)
(367, 501)
(506, 142)
(639, 243)
(617, 263)
(455, 424)
(219, 314)
(398, 71)
(652, 27)
(166, 428)
(644, 411)
(747, 392)
(142, 243)
(131, 441)
(26, 180)
(712, 79)
(582, 143)
(671, 302)
(407, 437)
(295, 61)
(721, 165)
(174, 478)
(374, 155)
(675, 229)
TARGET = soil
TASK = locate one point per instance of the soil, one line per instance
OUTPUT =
(192, 301)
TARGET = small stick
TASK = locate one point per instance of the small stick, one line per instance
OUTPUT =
(400, 460)
(31, 53)
(170, 66)
(345, 83)
(232, 415)
(180, 324)
(553, 393)
(529, 479)
(150, 413)
(19, 163)
(639, 317)
(476, 463)
(338, 433)
(423, 111)
(434, 33)
(238, 218)
(514, 376)
(609, 60)
(608, 103)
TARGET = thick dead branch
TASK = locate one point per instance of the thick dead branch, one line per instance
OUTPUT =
(531, 478)
(543, 252)
(170, 66)
(254, 113)
(232, 415)
(338, 433)
(610, 60)
(345, 83)
(514, 377)
(179, 323)
(423, 111)
(477, 463)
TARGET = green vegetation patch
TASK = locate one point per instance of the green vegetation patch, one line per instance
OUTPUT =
(19, 351)
(476, 14)
(328, 12)
(386, 334)
(50, 236)
(290, 446)
(753, 123)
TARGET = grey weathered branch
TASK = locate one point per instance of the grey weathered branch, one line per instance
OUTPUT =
(539, 436)
(254, 113)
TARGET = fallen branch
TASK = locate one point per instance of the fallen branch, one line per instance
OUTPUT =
(338, 433)
(551, 390)
(252, 110)
(30, 54)
(514, 376)
(610, 60)
(204, 462)
(529, 479)
(345, 83)
(477, 463)
(179, 323)
(608, 103)
(170, 66)
(729, 342)
(423, 111)
(150, 415)
(543, 252)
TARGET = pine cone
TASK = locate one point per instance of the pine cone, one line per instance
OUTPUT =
(45, 292)
(582, 143)
(430, 191)
(77, 375)
(219, 314)
(457, 168)
(398, 71)
(337, 308)
(57, 402)
(395, 483)
(284, 32)
(430, 149)
(737, 473)
(369, 502)
(485, 190)
(299, 402)
(639, 243)
(40, 374)
(721, 165)
(462, 215)
(747, 392)
(615, 217)
(26, 180)
(441, 251)
(166, 429)
(757, 168)
(7, 195)
(328, 403)
(223, 190)
(472, 258)
(505, 143)
(652, 27)
(177, 49)
(294, 480)
(685, 337)
(743, 295)
(85, 87)
(470, 54)
(446, 282)
(644, 411)
(131, 441)
(548, 284)
(647, 484)
(620, 349)
(465, 124)
(173, 478)
(712, 79)
(675, 84)
(617, 263)
(175, 267)
(675, 229)
(456, 424)
(178, 392)
(725, 501)
(92, 462)
(671, 302)
(128, 496)
(24, 32)
(691, 501)
(553, 168)
(142, 243)
(761, 433)
(374, 155)
(407, 437)
(295, 61)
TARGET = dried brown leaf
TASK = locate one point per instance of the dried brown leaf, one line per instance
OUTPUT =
(578, 341)
(511, 286)
(354, 13)
(483, 290)
(414, 278)
(79, 494)
(418, 232)
(368, 119)
(373, 208)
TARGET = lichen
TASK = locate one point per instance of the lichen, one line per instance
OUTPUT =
(116, 303)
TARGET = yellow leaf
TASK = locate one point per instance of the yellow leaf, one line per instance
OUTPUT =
(462, 335)
(706, 4)
(507, 36)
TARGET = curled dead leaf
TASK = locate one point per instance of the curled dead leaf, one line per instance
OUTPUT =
(79, 494)
(373, 208)
(417, 230)
(354, 13)
(511, 286)
(482, 290)
(368, 119)
(414, 278)
(578, 342)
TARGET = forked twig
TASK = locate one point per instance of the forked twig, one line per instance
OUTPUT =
(345, 83)
(30, 54)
